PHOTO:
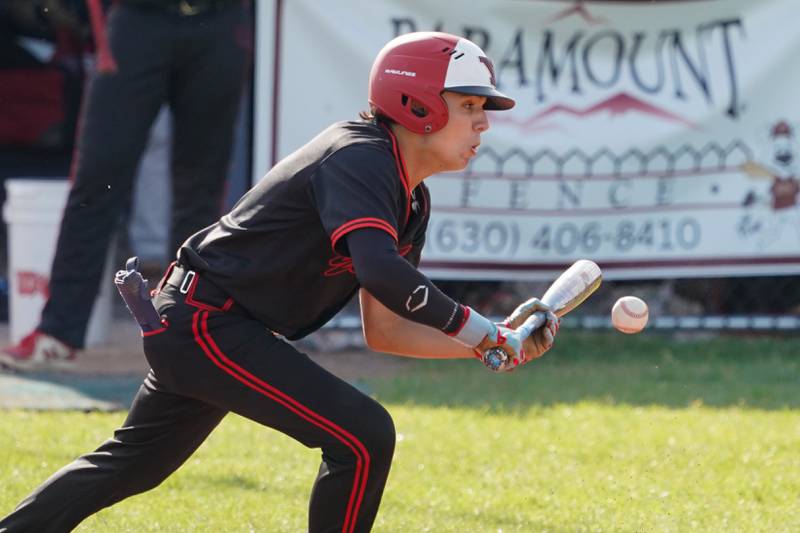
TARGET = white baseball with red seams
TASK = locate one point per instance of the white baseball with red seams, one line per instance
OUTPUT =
(629, 314)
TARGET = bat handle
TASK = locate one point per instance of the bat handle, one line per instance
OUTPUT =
(496, 359)
(532, 323)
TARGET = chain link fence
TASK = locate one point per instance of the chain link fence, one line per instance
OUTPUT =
(747, 305)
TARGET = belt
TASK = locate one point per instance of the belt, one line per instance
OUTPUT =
(200, 292)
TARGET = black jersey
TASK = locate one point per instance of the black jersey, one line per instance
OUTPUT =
(280, 253)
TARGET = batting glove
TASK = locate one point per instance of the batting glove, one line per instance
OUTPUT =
(480, 334)
(541, 340)
(511, 343)
(523, 311)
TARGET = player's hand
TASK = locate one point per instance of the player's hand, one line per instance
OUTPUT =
(541, 340)
(523, 311)
(509, 340)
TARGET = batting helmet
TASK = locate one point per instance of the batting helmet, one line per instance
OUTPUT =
(417, 67)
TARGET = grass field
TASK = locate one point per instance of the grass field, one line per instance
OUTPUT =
(607, 433)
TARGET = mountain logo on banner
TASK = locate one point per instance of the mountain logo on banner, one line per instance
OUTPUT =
(617, 105)
(579, 9)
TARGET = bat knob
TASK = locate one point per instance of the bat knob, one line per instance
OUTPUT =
(495, 359)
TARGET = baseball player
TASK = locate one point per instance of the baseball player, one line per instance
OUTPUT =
(344, 214)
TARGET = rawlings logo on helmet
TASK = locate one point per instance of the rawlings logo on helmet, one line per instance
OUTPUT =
(400, 72)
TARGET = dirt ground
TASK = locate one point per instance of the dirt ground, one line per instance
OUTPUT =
(122, 355)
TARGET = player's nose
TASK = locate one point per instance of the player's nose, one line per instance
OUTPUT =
(481, 122)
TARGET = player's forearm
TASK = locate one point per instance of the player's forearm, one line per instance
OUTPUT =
(407, 293)
(398, 285)
(384, 331)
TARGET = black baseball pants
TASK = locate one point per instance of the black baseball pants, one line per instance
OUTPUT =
(196, 64)
(213, 358)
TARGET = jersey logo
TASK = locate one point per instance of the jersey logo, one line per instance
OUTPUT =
(418, 299)
(339, 264)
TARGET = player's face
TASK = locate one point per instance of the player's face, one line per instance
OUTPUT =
(455, 144)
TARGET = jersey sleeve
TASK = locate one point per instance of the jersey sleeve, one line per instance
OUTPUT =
(400, 287)
(414, 254)
(357, 187)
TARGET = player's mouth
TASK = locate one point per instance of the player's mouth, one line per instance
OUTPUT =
(474, 149)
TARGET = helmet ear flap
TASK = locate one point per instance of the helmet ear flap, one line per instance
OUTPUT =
(422, 114)
(418, 109)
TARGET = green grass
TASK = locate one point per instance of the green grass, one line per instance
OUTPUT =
(648, 434)
(613, 369)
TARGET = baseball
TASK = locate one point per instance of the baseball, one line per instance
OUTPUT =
(629, 314)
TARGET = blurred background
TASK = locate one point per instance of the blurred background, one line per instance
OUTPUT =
(658, 139)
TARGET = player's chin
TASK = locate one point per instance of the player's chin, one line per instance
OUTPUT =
(461, 162)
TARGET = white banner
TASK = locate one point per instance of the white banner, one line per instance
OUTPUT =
(658, 139)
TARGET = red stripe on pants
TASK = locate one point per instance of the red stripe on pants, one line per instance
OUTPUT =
(215, 354)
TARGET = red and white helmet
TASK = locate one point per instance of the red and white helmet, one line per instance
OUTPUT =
(418, 67)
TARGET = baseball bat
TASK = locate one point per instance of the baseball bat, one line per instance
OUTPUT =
(566, 293)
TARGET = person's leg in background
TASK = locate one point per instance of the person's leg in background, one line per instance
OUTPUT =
(205, 92)
(118, 111)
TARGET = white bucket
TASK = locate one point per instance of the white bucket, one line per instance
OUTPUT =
(32, 212)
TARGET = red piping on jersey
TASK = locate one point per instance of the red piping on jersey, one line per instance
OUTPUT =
(366, 222)
(213, 352)
(401, 169)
